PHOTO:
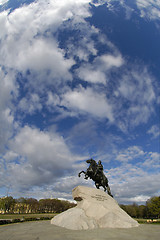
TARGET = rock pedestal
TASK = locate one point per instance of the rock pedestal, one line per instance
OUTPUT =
(95, 209)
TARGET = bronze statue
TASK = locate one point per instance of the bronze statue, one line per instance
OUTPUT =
(95, 172)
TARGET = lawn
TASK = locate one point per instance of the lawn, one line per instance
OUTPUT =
(27, 215)
(15, 218)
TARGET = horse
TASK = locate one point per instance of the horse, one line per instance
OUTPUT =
(99, 179)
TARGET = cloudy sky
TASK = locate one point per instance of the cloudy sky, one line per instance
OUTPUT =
(79, 79)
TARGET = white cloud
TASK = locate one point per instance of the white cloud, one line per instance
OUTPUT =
(130, 104)
(10, 156)
(7, 85)
(133, 85)
(31, 104)
(48, 65)
(96, 72)
(43, 159)
(33, 48)
(44, 55)
(149, 8)
(137, 177)
(140, 199)
(154, 131)
(40, 56)
(138, 174)
(3, 2)
(111, 61)
(23, 47)
(91, 75)
(28, 45)
(137, 91)
(137, 186)
(99, 3)
(37, 158)
(130, 154)
(2, 173)
(36, 145)
(135, 154)
(152, 160)
(84, 45)
(87, 101)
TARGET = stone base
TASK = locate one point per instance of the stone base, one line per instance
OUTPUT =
(95, 209)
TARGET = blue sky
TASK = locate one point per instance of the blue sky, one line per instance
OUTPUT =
(79, 79)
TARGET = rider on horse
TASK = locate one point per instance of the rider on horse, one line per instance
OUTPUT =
(95, 172)
(99, 170)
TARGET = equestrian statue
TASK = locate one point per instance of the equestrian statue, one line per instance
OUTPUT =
(95, 172)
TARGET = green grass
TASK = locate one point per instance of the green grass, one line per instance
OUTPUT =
(27, 215)
(17, 218)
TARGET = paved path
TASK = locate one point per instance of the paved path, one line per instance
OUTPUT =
(43, 230)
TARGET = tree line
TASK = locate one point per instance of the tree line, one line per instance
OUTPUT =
(150, 210)
(31, 205)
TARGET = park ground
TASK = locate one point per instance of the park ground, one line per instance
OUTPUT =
(44, 230)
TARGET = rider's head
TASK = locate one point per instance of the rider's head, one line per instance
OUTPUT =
(99, 162)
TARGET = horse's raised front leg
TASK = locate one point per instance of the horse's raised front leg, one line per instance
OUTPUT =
(79, 174)
(86, 176)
